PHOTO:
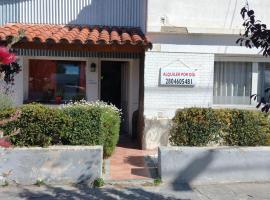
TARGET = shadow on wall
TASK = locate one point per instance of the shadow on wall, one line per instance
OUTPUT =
(112, 13)
(87, 12)
(193, 170)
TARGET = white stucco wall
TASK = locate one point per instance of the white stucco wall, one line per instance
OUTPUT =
(20, 89)
(203, 15)
(163, 101)
(194, 34)
(198, 51)
(208, 33)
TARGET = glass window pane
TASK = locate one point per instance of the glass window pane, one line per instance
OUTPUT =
(264, 80)
(56, 81)
(232, 82)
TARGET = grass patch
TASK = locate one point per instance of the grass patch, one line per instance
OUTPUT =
(99, 182)
(5, 184)
(157, 181)
(39, 183)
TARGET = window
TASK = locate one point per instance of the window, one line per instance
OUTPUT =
(56, 81)
(264, 80)
(232, 82)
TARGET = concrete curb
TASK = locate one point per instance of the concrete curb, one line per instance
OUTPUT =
(204, 165)
(53, 165)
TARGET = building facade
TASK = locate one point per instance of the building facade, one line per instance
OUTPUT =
(200, 37)
(74, 49)
(101, 50)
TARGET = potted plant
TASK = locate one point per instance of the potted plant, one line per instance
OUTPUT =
(59, 95)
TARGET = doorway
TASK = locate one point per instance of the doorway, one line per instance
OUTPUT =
(114, 88)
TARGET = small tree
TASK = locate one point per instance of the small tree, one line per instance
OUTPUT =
(256, 35)
(8, 65)
(8, 69)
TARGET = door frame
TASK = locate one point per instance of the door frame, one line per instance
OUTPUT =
(129, 88)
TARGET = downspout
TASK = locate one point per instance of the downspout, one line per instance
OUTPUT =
(141, 101)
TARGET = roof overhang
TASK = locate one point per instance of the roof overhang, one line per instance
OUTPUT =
(76, 37)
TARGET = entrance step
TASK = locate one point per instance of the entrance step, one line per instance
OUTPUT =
(129, 164)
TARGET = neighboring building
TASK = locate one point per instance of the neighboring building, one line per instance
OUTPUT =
(199, 36)
(96, 49)
(78, 48)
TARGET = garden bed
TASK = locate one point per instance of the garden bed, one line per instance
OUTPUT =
(80, 123)
(216, 146)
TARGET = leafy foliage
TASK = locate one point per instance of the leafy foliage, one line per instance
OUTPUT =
(93, 124)
(157, 181)
(247, 128)
(206, 126)
(9, 71)
(76, 124)
(8, 65)
(99, 182)
(256, 33)
(85, 128)
(39, 125)
(263, 101)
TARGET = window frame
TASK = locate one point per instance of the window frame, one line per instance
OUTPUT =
(255, 60)
(26, 74)
(230, 64)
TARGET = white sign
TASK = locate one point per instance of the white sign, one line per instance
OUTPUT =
(176, 76)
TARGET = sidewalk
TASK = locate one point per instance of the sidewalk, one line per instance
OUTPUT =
(242, 191)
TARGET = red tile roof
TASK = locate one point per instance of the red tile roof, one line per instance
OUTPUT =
(76, 34)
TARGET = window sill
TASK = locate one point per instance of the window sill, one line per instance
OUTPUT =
(235, 106)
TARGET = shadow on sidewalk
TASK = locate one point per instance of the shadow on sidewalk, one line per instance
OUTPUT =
(83, 193)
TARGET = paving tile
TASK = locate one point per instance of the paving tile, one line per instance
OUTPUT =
(128, 162)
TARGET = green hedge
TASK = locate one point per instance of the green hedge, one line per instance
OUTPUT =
(75, 124)
(39, 125)
(93, 124)
(206, 126)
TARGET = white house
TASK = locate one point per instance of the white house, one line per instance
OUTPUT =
(200, 37)
(101, 50)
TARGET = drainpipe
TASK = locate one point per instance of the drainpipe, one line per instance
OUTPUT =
(140, 128)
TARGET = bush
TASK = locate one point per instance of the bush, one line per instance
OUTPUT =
(206, 126)
(78, 123)
(99, 182)
(194, 127)
(39, 125)
(93, 124)
(85, 128)
(247, 128)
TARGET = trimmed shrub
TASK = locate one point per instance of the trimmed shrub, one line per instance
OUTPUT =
(85, 128)
(206, 126)
(39, 125)
(247, 128)
(194, 127)
(79, 123)
(7, 113)
(110, 127)
(6, 117)
(93, 124)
